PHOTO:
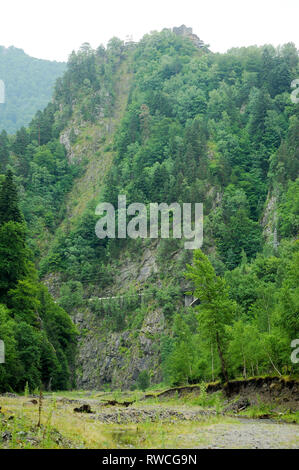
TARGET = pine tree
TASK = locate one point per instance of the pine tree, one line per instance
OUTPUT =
(9, 210)
(4, 151)
(13, 251)
(13, 257)
(21, 142)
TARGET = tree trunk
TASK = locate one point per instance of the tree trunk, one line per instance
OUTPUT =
(212, 356)
(244, 368)
(222, 360)
(274, 367)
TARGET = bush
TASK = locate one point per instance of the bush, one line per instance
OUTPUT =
(143, 380)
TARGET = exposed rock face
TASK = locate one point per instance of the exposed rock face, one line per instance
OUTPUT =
(119, 358)
(182, 30)
(53, 282)
(188, 32)
(131, 271)
(66, 141)
(148, 266)
(269, 219)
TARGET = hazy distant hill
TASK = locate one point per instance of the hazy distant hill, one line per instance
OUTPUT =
(28, 86)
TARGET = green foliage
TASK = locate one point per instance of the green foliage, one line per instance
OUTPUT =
(234, 230)
(198, 127)
(9, 210)
(216, 309)
(180, 353)
(71, 295)
(11, 371)
(143, 380)
(13, 256)
(289, 210)
(39, 336)
(121, 312)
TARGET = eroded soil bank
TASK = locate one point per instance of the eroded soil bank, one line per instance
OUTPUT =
(282, 391)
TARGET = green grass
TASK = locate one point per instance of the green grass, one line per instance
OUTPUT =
(20, 432)
(264, 410)
(62, 428)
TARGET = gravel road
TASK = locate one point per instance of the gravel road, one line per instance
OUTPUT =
(245, 434)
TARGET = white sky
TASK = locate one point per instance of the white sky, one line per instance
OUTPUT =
(51, 29)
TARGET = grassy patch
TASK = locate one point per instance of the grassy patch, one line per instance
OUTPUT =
(62, 428)
(269, 411)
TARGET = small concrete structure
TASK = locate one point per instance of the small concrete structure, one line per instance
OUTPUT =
(188, 33)
(129, 42)
(191, 301)
(182, 30)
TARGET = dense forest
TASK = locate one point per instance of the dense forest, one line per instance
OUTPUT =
(29, 84)
(196, 126)
(39, 336)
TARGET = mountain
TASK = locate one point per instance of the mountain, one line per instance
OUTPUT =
(161, 121)
(28, 86)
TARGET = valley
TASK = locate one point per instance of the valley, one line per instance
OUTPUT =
(138, 342)
(148, 423)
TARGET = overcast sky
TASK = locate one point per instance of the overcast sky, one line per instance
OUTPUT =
(51, 29)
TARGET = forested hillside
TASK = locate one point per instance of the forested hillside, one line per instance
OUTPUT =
(29, 84)
(38, 335)
(162, 121)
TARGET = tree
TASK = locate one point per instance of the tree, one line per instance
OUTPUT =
(9, 210)
(12, 370)
(216, 309)
(29, 347)
(71, 295)
(4, 150)
(13, 256)
(21, 141)
(289, 210)
(288, 297)
(182, 361)
(143, 380)
(245, 348)
(23, 300)
(39, 335)
(234, 229)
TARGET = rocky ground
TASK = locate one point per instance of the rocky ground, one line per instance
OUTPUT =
(99, 421)
(253, 434)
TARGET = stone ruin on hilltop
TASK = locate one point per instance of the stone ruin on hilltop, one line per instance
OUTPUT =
(188, 32)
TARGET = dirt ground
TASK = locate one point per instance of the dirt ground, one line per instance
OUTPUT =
(143, 424)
